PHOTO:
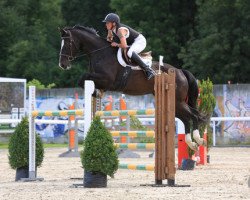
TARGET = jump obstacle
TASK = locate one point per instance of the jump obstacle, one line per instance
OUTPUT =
(89, 89)
(164, 130)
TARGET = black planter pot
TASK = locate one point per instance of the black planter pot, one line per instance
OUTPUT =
(94, 180)
(187, 164)
(22, 172)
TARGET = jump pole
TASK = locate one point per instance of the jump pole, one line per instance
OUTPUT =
(32, 138)
(89, 90)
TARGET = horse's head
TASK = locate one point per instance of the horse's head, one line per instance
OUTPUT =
(79, 41)
(68, 50)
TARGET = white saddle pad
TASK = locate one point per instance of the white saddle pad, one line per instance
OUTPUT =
(147, 60)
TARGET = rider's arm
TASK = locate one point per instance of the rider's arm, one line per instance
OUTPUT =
(122, 35)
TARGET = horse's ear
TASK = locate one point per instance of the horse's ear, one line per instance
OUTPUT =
(62, 31)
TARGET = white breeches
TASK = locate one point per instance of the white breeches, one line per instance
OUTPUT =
(138, 46)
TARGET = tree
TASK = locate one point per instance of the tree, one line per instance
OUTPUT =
(220, 48)
(31, 41)
(166, 24)
(87, 13)
(11, 27)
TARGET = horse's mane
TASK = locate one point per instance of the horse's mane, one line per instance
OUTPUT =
(88, 29)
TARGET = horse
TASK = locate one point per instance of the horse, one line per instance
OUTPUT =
(108, 75)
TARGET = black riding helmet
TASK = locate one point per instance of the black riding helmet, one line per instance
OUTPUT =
(112, 17)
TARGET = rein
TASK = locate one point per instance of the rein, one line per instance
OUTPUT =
(72, 42)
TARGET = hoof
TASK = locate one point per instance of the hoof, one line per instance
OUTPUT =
(98, 93)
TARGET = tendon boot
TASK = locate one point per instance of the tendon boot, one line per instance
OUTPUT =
(198, 138)
(190, 143)
(148, 71)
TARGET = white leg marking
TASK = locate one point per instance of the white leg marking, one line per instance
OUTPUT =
(190, 143)
(197, 137)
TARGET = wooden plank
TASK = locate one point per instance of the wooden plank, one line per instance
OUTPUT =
(165, 127)
(171, 125)
(163, 124)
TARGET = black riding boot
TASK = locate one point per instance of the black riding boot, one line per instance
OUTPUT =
(148, 71)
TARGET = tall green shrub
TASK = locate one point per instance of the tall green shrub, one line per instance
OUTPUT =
(19, 146)
(206, 105)
(99, 153)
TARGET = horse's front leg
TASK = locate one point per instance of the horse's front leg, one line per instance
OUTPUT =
(83, 78)
(101, 82)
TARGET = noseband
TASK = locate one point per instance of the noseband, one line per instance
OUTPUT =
(72, 42)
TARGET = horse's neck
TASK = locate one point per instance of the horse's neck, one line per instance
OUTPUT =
(90, 42)
(102, 55)
(105, 61)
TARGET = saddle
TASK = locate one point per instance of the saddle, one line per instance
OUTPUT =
(125, 61)
(128, 66)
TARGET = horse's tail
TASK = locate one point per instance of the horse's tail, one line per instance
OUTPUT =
(193, 92)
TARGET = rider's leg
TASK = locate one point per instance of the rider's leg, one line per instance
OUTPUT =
(148, 71)
(137, 47)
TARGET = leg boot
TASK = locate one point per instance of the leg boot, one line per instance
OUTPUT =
(148, 71)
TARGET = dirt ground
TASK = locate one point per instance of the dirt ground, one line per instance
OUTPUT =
(226, 177)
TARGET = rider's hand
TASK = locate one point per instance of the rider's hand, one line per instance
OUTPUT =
(114, 44)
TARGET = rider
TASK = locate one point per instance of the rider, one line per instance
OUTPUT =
(122, 36)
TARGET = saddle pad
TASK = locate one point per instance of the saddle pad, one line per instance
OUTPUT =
(147, 59)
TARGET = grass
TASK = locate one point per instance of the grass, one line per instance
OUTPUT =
(50, 145)
(5, 145)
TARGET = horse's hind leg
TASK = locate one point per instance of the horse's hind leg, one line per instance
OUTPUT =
(185, 115)
(196, 133)
(193, 108)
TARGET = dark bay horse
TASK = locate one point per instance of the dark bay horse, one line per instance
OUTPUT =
(107, 74)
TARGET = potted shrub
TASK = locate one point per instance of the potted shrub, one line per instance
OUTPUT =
(99, 157)
(19, 150)
(206, 103)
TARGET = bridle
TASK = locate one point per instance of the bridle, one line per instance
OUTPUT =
(71, 57)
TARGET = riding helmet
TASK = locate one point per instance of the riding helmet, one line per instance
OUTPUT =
(112, 17)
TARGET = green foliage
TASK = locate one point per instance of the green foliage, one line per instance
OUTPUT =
(146, 139)
(207, 104)
(19, 146)
(88, 13)
(166, 24)
(207, 99)
(30, 39)
(209, 38)
(99, 153)
(39, 85)
(135, 124)
(219, 47)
